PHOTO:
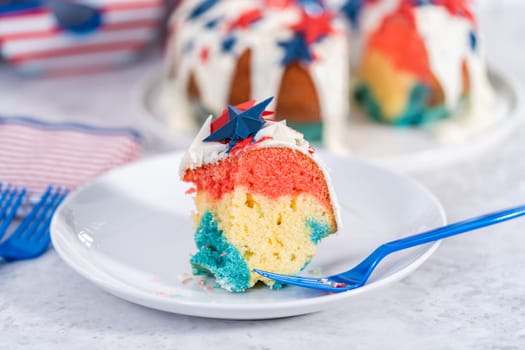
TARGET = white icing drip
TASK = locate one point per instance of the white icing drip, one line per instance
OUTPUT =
(447, 42)
(327, 71)
(273, 134)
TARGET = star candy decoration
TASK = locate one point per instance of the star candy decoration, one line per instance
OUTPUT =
(237, 125)
(296, 50)
(314, 27)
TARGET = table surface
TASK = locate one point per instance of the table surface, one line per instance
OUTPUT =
(469, 295)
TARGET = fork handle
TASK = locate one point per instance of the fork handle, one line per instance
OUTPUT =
(454, 229)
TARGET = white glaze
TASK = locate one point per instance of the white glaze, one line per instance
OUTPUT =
(447, 42)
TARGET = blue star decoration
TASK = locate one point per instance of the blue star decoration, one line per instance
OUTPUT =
(295, 50)
(241, 124)
(202, 8)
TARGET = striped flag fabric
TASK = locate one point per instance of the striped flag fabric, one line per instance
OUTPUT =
(36, 154)
(32, 40)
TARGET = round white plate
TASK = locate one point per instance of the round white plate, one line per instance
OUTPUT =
(404, 149)
(130, 232)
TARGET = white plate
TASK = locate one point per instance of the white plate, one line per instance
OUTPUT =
(130, 233)
(397, 148)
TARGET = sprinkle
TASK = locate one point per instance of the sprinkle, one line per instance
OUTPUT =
(228, 44)
(338, 284)
(246, 19)
(223, 253)
(160, 293)
(201, 283)
(209, 288)
(186, 280)
(473, 40)
(201, 8)
(205, 54)
(191, 190)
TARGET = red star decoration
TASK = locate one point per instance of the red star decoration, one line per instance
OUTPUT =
(246, 19)
(205, 54)
(223, 118)
(314, 27)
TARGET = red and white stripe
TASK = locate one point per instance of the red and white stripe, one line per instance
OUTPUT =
(38, 155)
(34, 43)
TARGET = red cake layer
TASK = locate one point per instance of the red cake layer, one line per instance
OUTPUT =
(398, 38)
(272, 172)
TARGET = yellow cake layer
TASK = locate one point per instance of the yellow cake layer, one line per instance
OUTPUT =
(271, 234)
(390, 86)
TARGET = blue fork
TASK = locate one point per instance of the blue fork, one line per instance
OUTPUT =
(358, 275)
(10, 200)
(31, 238)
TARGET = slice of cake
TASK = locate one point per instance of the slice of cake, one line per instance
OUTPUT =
(263, 199)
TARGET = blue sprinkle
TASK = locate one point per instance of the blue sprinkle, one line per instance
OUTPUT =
(228, 44)
(212, 24)
(202, 8)
(473, 40)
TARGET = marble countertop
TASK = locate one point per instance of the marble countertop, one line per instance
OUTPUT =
(469, 295)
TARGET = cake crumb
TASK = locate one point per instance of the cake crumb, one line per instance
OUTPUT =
(316, 272)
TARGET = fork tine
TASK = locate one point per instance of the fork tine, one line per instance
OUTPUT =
(30, 217)
(43, 233)
(3, 199)
(308, 282)
(17, 197)
(295, 280)
(47, 203)
(274, 275)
